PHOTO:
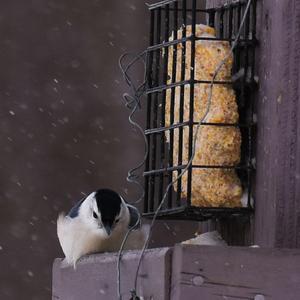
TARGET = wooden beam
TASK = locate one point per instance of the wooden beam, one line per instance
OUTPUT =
(185, 272)
(211, 273)
(95, 277)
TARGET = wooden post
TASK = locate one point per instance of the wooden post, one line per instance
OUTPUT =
(277, 192)
(277, 217)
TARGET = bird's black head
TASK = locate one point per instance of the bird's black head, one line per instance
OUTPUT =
(109, 206)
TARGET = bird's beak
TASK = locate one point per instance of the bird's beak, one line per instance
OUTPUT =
(107, 229)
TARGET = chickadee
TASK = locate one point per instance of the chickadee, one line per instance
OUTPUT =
(98, 223)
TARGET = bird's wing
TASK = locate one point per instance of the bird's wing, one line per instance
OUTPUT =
(63, 233)
(73, 213)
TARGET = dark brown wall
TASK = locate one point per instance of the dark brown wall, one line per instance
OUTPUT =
(63, 126)
(64, 129)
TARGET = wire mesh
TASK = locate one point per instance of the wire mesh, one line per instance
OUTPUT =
(166, 18)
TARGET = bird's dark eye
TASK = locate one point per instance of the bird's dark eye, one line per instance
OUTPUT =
(95, 215)
(117, 221)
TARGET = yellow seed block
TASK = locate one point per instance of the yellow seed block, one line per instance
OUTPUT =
(216, 145)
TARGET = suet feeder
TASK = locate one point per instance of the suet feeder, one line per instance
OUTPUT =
(187, 43)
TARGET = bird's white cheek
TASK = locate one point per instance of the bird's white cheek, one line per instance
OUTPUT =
(93, 225)
(101, 234)
(99, 229)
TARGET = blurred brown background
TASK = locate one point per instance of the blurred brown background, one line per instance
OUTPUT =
(64, 127)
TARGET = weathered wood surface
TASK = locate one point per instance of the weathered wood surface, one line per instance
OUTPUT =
(277, 220)
(185, 273)
(95, 277)
(277, 216)
(213, 273)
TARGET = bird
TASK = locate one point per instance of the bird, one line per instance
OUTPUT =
(99, 223)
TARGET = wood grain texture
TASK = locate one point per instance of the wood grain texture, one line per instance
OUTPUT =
(277, 193)
(211, 273)
(277, 218)
(95, 277)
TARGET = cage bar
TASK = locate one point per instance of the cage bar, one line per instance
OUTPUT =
(147, 200)
(156, 72)
(163, 100)
(192, 84)
(182, 77)
(172, 105)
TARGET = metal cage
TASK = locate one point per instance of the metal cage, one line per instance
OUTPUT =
(166, 18)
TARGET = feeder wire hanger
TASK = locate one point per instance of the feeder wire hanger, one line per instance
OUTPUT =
(132, 101)
(135, 99)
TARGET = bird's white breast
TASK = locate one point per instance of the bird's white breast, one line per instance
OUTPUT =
(77, 239)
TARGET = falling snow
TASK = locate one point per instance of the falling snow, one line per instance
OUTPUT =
(75, 64)
(30, 273)
(132, 6)
(34, 237)
(61, 124)
(23, 106)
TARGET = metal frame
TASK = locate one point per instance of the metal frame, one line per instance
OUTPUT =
(167, 17)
